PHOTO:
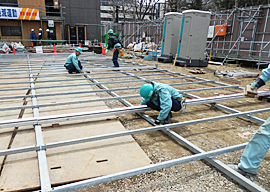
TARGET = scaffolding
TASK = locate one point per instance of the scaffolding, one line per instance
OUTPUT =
(247, 37)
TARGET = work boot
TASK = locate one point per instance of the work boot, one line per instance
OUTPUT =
(250, 176)
(70, 72)
(168, 119)
(171, 115)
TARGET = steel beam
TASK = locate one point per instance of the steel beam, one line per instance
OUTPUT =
(115, 89)
(80, 79)
(87, 84)
(42, 160)
(93, 69)
(79, 74)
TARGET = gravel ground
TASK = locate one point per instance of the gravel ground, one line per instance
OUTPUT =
(196, 175)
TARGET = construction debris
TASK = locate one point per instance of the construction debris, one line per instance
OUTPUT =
(197, 71)
(235, 73)
(8, 47)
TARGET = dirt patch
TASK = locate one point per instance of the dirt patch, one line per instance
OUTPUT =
(197, 175)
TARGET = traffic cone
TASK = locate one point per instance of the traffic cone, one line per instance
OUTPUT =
(14, 51)
(80, 45)
(54, 48)
(100, 44)
(103, 50)
(89, 43)
(32, 44)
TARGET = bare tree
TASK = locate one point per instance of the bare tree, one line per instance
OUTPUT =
(126, 7)
(144, 7)
(175, 5)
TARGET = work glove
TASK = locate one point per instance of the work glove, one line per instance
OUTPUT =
(257, 84)
(81, 71)
(157, 122)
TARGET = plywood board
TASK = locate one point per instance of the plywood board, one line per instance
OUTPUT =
(69, 163)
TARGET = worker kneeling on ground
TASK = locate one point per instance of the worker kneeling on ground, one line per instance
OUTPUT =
(259, 144)
(163, 98)
(73, 65)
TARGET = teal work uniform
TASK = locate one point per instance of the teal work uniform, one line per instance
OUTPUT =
(259, 144)
(73, 59)
(162, 96)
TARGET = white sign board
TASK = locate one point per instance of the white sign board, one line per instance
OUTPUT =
(19, 13)
(87, 42)
(39, 49)
(210, 32)
(50, 23)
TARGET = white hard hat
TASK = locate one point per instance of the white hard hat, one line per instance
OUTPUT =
(47, 30)
(32, 29)
(40, 29)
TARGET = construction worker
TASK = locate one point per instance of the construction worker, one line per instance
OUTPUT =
(33, 37)
(113, 42)
(161, 97)
(48, 34)
(73, 65)
(259, 144)
(40, 36)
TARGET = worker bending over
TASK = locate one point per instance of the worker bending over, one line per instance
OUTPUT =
(73, 65)
(163, 98)
(113, 42)
(259, 144)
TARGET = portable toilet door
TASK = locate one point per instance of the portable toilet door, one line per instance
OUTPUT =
(194, 38)
(170, 36)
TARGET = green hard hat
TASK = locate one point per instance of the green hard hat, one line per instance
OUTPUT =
(78, 49)
(146, 91)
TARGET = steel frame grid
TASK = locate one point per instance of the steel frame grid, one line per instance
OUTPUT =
(166, 128)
